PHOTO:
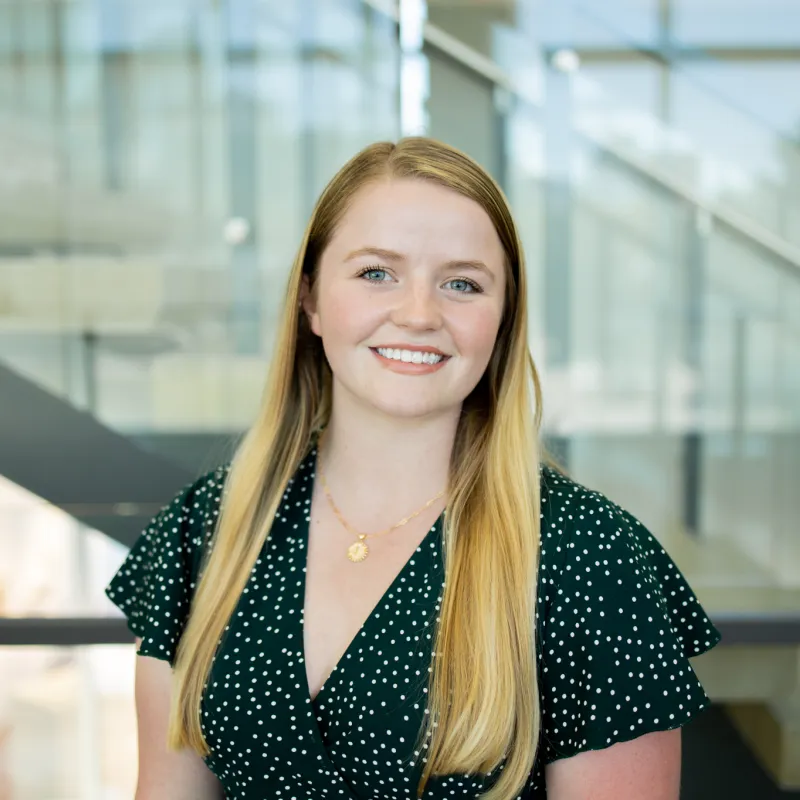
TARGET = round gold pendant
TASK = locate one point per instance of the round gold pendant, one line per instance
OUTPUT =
(357, 551)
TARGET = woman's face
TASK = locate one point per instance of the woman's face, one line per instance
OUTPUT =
(411, 267)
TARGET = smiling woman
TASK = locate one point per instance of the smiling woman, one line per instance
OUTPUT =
(506, 633)
(397, 262)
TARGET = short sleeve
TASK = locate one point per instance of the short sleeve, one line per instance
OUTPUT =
(155, 583)
(619, 625)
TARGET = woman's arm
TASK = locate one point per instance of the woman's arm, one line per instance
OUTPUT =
(645, 768)
(163, 774)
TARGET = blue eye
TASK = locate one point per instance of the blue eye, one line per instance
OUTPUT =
(367, 271)
(472, 286)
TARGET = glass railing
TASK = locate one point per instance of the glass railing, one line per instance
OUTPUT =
(159, 164)
(666, 330)
(162, 166)
(684, 119)
(51, 565)
(67, 723)
(726, 130)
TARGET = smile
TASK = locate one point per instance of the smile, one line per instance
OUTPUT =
(410, 356)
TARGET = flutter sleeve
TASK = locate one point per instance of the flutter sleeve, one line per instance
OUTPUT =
(619, 623)
(154, 585)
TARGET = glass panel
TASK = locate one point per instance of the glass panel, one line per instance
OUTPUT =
(637, 79)
(765, 90)
(165, 161)
(165, 167)
(633, 22)
(51, 565)
(751, 443)
(723, 130)
(67, 723)
(719, 22)
(617, 23)
(626, 283)
(677, 124)
(749, 162)
(526, 189)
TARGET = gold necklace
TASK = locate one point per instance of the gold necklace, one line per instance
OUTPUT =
(358, 551)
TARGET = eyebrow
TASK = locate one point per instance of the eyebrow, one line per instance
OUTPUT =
(389, 255)
(392, 255)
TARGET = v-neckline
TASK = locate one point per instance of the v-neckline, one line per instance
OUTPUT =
(304, 539)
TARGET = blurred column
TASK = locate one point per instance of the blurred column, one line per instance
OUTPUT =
(414, 78)
(558, 201)
(461, 104)
(558, 136)
(309, 166)
(504, 105)
(242, 235)
(699, 228)
(114, 46)
(665, 47)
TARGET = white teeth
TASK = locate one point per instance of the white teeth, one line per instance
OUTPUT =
(410, 356)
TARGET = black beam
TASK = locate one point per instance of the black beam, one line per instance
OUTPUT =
(741, 629)
(736, 629)
(64, 632)
(70, 459)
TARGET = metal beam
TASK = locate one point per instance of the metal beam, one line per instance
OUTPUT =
(676, 53)
(34, 632)
(70, 459)
(736, 629)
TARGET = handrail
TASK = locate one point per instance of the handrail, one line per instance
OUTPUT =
(489, 70)
(737, 628)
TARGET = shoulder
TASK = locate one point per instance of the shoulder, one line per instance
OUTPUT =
(197, 503)
(618, 623)
(194, 511)
(595, 553)
(153, 586)
(600, 566)
(571, 511)
(181, 530)
(577, 521)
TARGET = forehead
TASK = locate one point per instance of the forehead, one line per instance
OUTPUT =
(416, 217)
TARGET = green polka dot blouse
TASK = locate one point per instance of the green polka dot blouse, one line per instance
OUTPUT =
(617, 623)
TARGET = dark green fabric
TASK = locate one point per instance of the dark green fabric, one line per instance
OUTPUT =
(617, 623)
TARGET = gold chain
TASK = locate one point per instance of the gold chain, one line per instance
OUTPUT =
(358, 551)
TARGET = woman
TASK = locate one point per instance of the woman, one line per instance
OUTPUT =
(392, 594)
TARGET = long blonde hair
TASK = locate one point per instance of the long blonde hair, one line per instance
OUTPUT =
(483, 698)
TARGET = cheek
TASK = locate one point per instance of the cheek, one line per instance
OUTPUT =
(476, 333)
(347, 315)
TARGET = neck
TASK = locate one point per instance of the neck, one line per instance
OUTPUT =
(379, 466)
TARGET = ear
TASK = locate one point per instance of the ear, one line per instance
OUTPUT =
(308, 304)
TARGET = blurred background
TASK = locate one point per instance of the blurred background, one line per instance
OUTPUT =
(158, 164)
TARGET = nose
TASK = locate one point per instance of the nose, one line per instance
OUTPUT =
(417, 307)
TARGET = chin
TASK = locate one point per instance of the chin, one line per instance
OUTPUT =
(408, 402)
(407, 407)
(407, 410)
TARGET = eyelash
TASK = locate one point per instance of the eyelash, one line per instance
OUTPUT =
(475, 287)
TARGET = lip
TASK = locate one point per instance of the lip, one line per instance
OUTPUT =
(414, 348)
(407, 367)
